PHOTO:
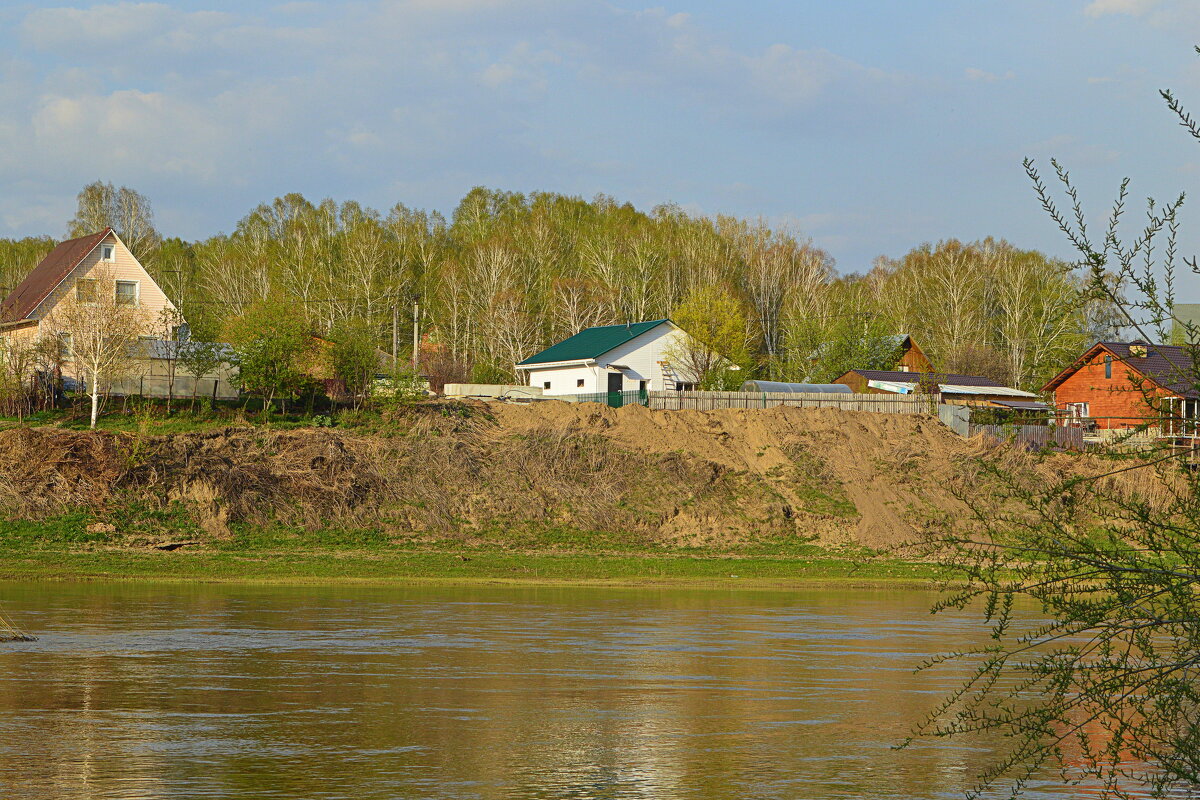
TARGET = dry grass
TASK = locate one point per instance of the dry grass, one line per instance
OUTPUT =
(442, 473)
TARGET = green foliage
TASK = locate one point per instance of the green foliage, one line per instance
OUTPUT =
(1092, 592)
(1091, 585)
(482, 372)
(717, 351)
(18, 257)
(354, 356)
(512, 273)
(825, 347)
(273, 349)
(201, 359)
(990, 308)
(401, 387)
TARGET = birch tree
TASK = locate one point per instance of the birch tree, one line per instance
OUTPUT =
(99, 335)
(101, 205)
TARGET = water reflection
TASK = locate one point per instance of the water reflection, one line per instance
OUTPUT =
(136, 692)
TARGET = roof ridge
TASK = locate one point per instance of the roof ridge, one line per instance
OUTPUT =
(592, 342)
(51, 271)
(622, 324)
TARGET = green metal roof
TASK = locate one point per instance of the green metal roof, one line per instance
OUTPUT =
(592, 342)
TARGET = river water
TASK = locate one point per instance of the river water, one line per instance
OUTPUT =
(138, 691)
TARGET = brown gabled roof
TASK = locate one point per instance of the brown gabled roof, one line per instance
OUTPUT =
(1169, 366)
(48, 274)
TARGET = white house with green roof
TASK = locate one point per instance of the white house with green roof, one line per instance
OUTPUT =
(611, 358)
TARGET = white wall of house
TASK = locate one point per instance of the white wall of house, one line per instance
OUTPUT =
(565, 380)
(638, 359)
(642, 354)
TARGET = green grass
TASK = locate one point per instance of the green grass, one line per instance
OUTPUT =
(468, 565)
(62, 548)
(816, 487)
(152, 416)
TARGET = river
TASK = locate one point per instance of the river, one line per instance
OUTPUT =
(198, 691)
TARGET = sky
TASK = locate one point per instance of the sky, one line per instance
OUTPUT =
(871, 127)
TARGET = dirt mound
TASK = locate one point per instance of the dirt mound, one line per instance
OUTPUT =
(692, 478)
(883, 463)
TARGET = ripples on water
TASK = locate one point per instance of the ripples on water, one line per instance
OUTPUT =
(215, 691)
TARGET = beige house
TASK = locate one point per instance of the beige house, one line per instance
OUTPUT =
(79, 267)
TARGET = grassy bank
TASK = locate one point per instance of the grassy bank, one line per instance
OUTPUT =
(445, 491)
(72, 547)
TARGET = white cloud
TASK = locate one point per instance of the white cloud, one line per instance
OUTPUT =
(661, 53)
(182, 102)
(521, 67)
(113, 28)
(974, 74)
(1134, 8)
(139, 133)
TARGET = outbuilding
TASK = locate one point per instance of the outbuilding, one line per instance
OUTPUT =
(953, 388)
(612, 358)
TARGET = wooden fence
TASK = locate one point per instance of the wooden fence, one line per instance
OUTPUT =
(1034, 436)
(879, 403)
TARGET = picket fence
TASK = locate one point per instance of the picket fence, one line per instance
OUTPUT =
(1035, 437)
(711, 401)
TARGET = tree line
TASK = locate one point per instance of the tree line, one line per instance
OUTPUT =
(509, 274)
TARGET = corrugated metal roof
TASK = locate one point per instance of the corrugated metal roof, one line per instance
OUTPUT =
(796, 388)
(50, 272)
(897, 387)
(997, 390)
(592, 342)
(924, 377)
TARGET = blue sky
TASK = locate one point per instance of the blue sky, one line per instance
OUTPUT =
(869, 126)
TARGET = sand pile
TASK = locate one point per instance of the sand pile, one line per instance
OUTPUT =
(885, 464)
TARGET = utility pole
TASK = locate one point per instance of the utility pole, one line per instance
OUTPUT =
(416, 332)
(395, 335)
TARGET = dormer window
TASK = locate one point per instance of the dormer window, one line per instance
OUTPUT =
(108, 252)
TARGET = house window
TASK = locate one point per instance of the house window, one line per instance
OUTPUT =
(579, 383)
(85, 290)
(127, 293)
(685, 387)
(545, 384)
(108, 253)
(64, 346)
(1078, 410)
(1108, 367)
